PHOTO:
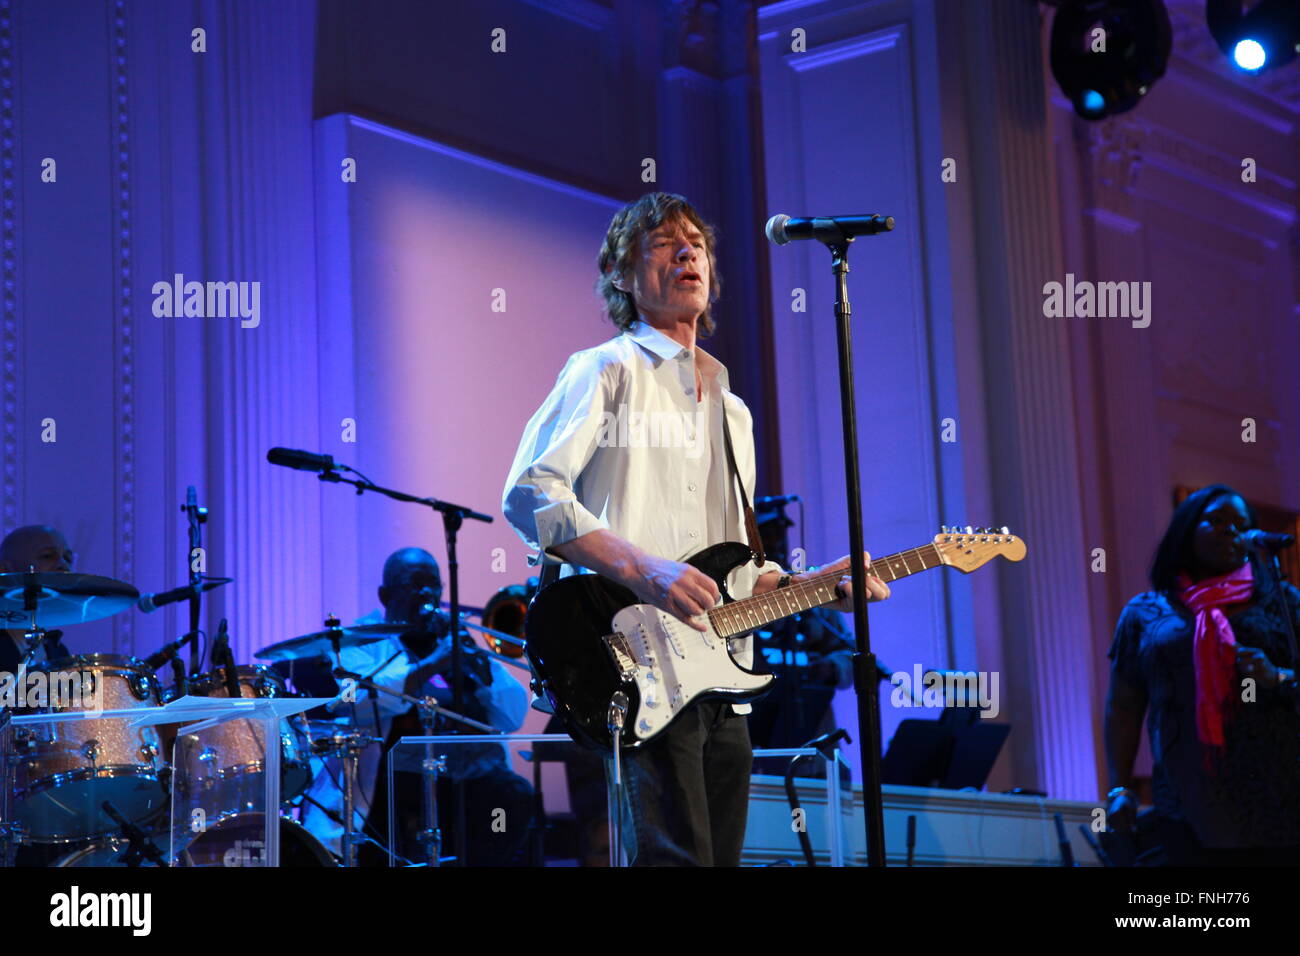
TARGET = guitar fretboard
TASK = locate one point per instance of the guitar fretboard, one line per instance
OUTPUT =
(762, 609)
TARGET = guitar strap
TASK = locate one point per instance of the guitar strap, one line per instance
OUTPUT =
(751, 524)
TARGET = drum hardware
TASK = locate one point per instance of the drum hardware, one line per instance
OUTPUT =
(139, 846)
(429, 710)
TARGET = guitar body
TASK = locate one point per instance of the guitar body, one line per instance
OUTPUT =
(660, 663)
(588, 638)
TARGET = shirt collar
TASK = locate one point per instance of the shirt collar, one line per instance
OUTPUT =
(655, 342)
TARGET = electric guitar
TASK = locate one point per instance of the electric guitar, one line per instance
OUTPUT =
(588, 637)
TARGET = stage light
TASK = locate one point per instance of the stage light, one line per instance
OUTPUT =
(1107, 54)
(1093, 102)
(1249, 55)
(1262, 38)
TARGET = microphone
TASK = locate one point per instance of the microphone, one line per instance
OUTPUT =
(771, 501)
(1258, 540)
(301, 460)
(782, 229)
(148, 603)
(166, 653)
(222, 656)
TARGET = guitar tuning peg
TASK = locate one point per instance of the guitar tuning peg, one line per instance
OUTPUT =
(988, 531)
(943, 529)
(1004, 530)
(970, 530)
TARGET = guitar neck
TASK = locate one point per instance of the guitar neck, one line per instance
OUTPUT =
(754, 612)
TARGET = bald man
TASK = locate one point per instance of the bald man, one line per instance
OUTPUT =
(37, 547)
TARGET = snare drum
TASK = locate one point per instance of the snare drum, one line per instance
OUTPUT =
(230, 764)
(65, 771)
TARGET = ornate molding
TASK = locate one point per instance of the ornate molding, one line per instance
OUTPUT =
(1121, 146)
(9, 428)
(124, 322)
(692, 35)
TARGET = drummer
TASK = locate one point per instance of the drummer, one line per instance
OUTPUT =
(42, 548)
(418, 664)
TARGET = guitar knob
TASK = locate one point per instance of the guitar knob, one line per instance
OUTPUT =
(643, 726)
(943, 529)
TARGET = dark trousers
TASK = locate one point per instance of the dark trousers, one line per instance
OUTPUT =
(687, 791)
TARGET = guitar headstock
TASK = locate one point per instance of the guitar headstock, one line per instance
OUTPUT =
(969, 548)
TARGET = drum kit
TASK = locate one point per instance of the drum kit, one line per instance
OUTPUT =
(97, 792)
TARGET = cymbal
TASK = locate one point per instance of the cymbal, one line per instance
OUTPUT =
(61, 598)
(322, 643)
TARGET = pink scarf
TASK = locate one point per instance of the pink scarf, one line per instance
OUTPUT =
(1214, 648)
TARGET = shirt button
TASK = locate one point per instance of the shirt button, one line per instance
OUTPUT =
(695, 534)
(691, 486)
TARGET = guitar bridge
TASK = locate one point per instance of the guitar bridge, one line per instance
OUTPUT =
(621, 654)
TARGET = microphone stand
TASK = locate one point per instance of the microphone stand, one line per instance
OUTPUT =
(9, 834)
(452, 518)
(1275, 565)
(864, 661)
(196, 516)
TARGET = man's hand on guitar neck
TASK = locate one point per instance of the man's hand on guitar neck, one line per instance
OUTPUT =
(680, 589)
(877, 590)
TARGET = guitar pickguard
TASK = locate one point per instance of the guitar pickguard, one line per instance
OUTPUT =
(672, 664)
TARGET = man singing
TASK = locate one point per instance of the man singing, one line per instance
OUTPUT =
(587, 495)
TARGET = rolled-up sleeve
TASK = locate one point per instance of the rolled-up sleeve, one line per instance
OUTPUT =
(540, 501)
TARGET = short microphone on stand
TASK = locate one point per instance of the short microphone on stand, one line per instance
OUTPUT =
(301, 460)
(223, 657)
(165, 654)
(1266, 541)
(148, 603)
(782, 229)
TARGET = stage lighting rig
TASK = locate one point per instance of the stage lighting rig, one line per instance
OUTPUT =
(1107, 54)
(1263, 38)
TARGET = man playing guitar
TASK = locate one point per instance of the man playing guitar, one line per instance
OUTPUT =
(629, 467)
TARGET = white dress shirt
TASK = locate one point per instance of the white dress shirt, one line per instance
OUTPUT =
(623, 443)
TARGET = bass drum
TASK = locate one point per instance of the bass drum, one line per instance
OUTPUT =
(106, 852)
(240, 840)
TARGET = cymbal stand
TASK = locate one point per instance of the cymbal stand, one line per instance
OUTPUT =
(430, 837)
(10, 835)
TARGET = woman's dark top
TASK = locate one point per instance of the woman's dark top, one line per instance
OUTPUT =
(1254, 800)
